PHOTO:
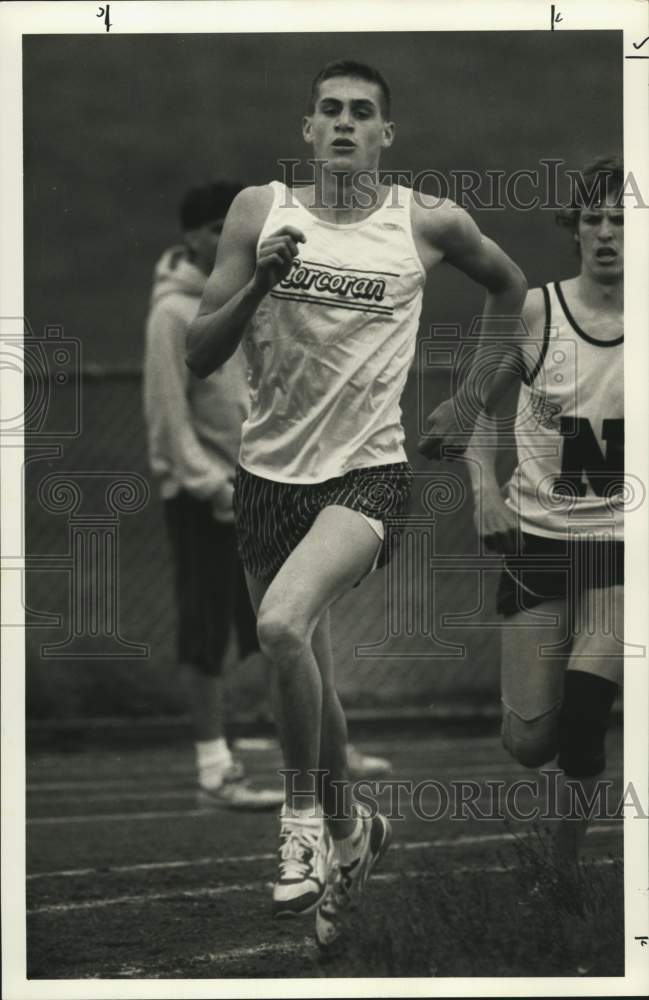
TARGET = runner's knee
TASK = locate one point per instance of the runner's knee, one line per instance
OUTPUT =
(583, 723)
(532, 742)
(281, 634)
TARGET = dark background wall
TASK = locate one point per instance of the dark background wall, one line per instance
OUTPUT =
(116, 127)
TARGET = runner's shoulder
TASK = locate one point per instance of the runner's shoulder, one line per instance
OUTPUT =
(250, 208)
(257, 195)
(432, 209)
(442, 221)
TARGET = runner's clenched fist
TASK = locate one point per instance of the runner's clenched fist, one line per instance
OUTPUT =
(275, 257)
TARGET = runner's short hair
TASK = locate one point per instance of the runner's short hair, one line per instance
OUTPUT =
(601, 179)
(356, 70)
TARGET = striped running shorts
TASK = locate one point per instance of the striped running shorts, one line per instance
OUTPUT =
(272, 518)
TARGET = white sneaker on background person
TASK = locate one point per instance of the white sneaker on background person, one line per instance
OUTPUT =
(362, 765)
(222, 781)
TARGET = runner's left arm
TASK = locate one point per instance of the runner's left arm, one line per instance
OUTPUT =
(497, 361)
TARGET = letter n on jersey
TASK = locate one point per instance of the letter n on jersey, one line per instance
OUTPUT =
(584, 463)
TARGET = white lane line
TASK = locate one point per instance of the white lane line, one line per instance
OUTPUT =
(147, 783)
(126, 796)
(279, 949)
(146, 866)
(130, 795)
(420, 845)
(283, 949)
(467, 870)
(304, 947)
(223, 890)
(122, 773)
(88, 785)
(148, 897)
(163, 780)
(117, 817)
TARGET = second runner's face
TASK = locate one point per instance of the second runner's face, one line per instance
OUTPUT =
(600, 232)
(347, 130)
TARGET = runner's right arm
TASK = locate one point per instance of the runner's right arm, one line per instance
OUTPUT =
(240, 280)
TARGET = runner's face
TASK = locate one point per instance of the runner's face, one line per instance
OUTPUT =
(347, 130)
(600, 233)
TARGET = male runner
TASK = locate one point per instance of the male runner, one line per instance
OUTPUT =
(325, 289)
(562, 583)
(194, 432)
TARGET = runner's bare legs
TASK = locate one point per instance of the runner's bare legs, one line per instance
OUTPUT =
(293, 630)
(532, 697)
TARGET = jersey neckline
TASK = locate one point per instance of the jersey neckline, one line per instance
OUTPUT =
(574, 324)
(344, 225)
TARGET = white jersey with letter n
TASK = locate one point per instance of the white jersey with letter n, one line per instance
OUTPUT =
(570, 433)
(330, 346)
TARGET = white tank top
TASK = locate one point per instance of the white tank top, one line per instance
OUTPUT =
(330, 346)
(570, 432)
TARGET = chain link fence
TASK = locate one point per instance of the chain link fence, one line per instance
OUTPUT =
(420, 635)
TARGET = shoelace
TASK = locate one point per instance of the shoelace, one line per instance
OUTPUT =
(298, 844)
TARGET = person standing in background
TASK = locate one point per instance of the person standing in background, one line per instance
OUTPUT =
(193, 430)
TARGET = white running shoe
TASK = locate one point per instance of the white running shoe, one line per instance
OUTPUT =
(235, 792)
(347, 882)
(304, 862)
(361, 765)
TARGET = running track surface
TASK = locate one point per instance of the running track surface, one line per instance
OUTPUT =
(128, 878)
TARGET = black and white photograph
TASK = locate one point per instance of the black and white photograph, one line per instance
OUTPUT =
(322, 430)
